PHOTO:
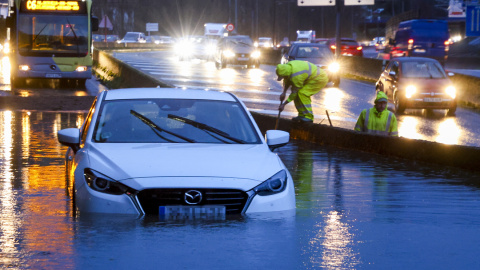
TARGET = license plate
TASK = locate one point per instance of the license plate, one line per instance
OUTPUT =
(419, 50)
(180, 212)
(432, 99)
(243, 59)
(53, 75)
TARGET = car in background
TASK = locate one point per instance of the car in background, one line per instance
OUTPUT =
(417, 83)
(133, 37)
(317, 54)
(236, 50)
(102, 38)
(376, 40)
(264, 42)
(285, 43)
(176, 154)
(349, 47)
(161, 39)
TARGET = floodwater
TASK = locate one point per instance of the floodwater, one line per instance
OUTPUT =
(354, 211)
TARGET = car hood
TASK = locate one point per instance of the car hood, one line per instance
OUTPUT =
(317, 60)
(125, 161)
(240, 48)
(426, 84)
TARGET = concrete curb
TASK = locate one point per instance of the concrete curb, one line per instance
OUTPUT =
(465, 157)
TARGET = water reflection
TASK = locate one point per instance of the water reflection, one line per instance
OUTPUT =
(449, 132)
(354, 211)
(35, 229)
(333, 99)
(408, 128)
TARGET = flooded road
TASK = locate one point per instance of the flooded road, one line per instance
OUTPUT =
(354, 211)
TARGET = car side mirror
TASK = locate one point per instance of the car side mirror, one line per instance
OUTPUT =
(276, 138)
(69, 137)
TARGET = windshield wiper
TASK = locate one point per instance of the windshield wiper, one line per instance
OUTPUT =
(75, 35)
(156, 128)
(206, 127)
(39, 34)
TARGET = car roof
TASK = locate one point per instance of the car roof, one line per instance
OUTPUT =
(412, 59)
(305, 44)
(169, 93)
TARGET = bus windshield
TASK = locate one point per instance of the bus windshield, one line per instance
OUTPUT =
(60, 35)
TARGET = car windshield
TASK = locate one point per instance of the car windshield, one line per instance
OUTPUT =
(174, 121)
(425, 69)
(313, 52)
(240, 40)
(131, 36)
(43, 35)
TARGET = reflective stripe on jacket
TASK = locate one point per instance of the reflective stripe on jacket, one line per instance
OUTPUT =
(373, 122)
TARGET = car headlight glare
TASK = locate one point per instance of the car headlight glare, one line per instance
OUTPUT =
(228, 53)
(256, 54)
(451, 91)
(334, 67)
(104, 184)
(272, 185)
(410, 90)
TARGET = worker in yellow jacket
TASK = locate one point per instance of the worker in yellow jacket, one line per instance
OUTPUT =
(305, 79)
(378, 120)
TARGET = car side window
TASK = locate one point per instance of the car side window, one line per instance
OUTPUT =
(395, 68)
(86, 125)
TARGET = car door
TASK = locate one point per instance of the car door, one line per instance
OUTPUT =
(390, 76)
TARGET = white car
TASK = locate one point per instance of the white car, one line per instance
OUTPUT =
(178, 154)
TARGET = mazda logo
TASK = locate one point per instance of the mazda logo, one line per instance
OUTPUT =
(53, 67)
(193, 197)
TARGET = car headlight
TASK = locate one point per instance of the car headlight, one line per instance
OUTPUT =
(228, 53)
(272, 185)
(410, 90)
(255, 54)
(451, 91)
(104, 184)
(184, 48)
(334, 67)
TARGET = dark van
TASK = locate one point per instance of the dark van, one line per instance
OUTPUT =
(422, 37)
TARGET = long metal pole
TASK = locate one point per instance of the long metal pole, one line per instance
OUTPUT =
(338, 43)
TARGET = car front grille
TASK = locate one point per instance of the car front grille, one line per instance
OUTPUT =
(152, 199)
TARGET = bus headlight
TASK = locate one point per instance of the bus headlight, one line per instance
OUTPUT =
(81, 68)
(410, 91)
(451, 91)
(23, 67)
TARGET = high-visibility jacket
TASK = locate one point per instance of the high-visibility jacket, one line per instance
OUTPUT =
(374, 122)
(305, 76)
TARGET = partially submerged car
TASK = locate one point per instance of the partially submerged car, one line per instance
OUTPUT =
(177, 154)
(417, 83)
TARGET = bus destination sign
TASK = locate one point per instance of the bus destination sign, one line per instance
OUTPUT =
(53, 6)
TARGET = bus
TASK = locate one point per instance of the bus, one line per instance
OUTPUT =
(51, 39)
